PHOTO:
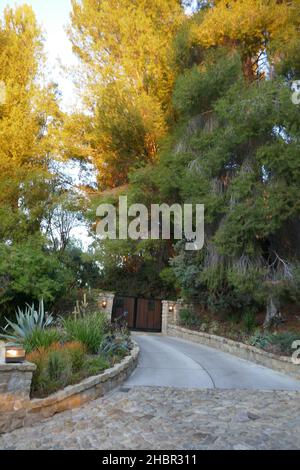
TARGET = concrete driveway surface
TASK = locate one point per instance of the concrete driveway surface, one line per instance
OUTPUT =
(172, 362)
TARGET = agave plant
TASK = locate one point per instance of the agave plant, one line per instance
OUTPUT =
(27, 321)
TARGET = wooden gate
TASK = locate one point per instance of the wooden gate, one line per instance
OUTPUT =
(141, 314)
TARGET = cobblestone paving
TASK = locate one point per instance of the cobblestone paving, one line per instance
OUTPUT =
(168, 419)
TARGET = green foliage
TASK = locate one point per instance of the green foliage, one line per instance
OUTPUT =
(77, 357)
(27, 322)
(115, 344)
(249, 321)
(280, 343)
(284, 341)
(58, 367)
(95, 365)
(42, 338)
(187, 52)
(89, 330)
(28, 271)
(259, 340)
(199, 87)
(189, 318)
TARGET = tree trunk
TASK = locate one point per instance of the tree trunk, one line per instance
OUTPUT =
(273, 315)
(248, 69)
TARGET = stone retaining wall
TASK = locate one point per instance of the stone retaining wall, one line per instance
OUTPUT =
(15, 382)
(280, 363)
(17, 410)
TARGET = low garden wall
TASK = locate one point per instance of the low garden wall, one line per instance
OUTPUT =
(17, 410)
(279, 363)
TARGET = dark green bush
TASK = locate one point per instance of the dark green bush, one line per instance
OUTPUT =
(198, 88)
(249, 321)
(189, 318)
(95, 365)
(284, 341)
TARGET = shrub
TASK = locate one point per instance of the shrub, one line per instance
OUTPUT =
(88, 330)
(275, 342)
(39, 379)
(188, 318)
(40, 338)
(259, 340)
(249, 321)
(204, 327)
(76, 352)
(115, 345)
(95, 365)
(283, 341)
(56, 366)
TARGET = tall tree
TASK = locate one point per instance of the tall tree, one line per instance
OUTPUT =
(259, 28)
(124, 47)
(29, 118)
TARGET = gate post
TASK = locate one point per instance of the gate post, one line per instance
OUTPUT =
(106, 303)
(169, 315)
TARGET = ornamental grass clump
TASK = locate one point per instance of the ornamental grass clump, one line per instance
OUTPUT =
(42, 339)
(89, 330)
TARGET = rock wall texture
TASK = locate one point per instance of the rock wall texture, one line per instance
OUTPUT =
(15, 382)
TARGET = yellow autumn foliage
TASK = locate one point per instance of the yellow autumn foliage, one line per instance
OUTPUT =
(124, 47)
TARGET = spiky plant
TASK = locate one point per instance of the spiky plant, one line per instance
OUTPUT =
(27, 321)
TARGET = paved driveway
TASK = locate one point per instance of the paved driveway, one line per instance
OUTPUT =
(170, 416)
(172, 362)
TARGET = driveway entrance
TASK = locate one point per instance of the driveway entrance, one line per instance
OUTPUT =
(141, 314)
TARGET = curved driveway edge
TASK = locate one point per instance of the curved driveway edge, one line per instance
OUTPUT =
(245, 351)
(172, 362)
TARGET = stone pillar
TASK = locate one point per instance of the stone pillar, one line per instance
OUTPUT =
(169, 314)
(15, 383)
(107, 297)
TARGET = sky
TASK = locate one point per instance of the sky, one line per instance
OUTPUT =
(53, 16)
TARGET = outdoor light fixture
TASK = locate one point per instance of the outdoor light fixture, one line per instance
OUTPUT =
(14, 354)
(104, 303)
(171, 308)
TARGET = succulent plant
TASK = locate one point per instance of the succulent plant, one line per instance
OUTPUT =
(27, 321)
